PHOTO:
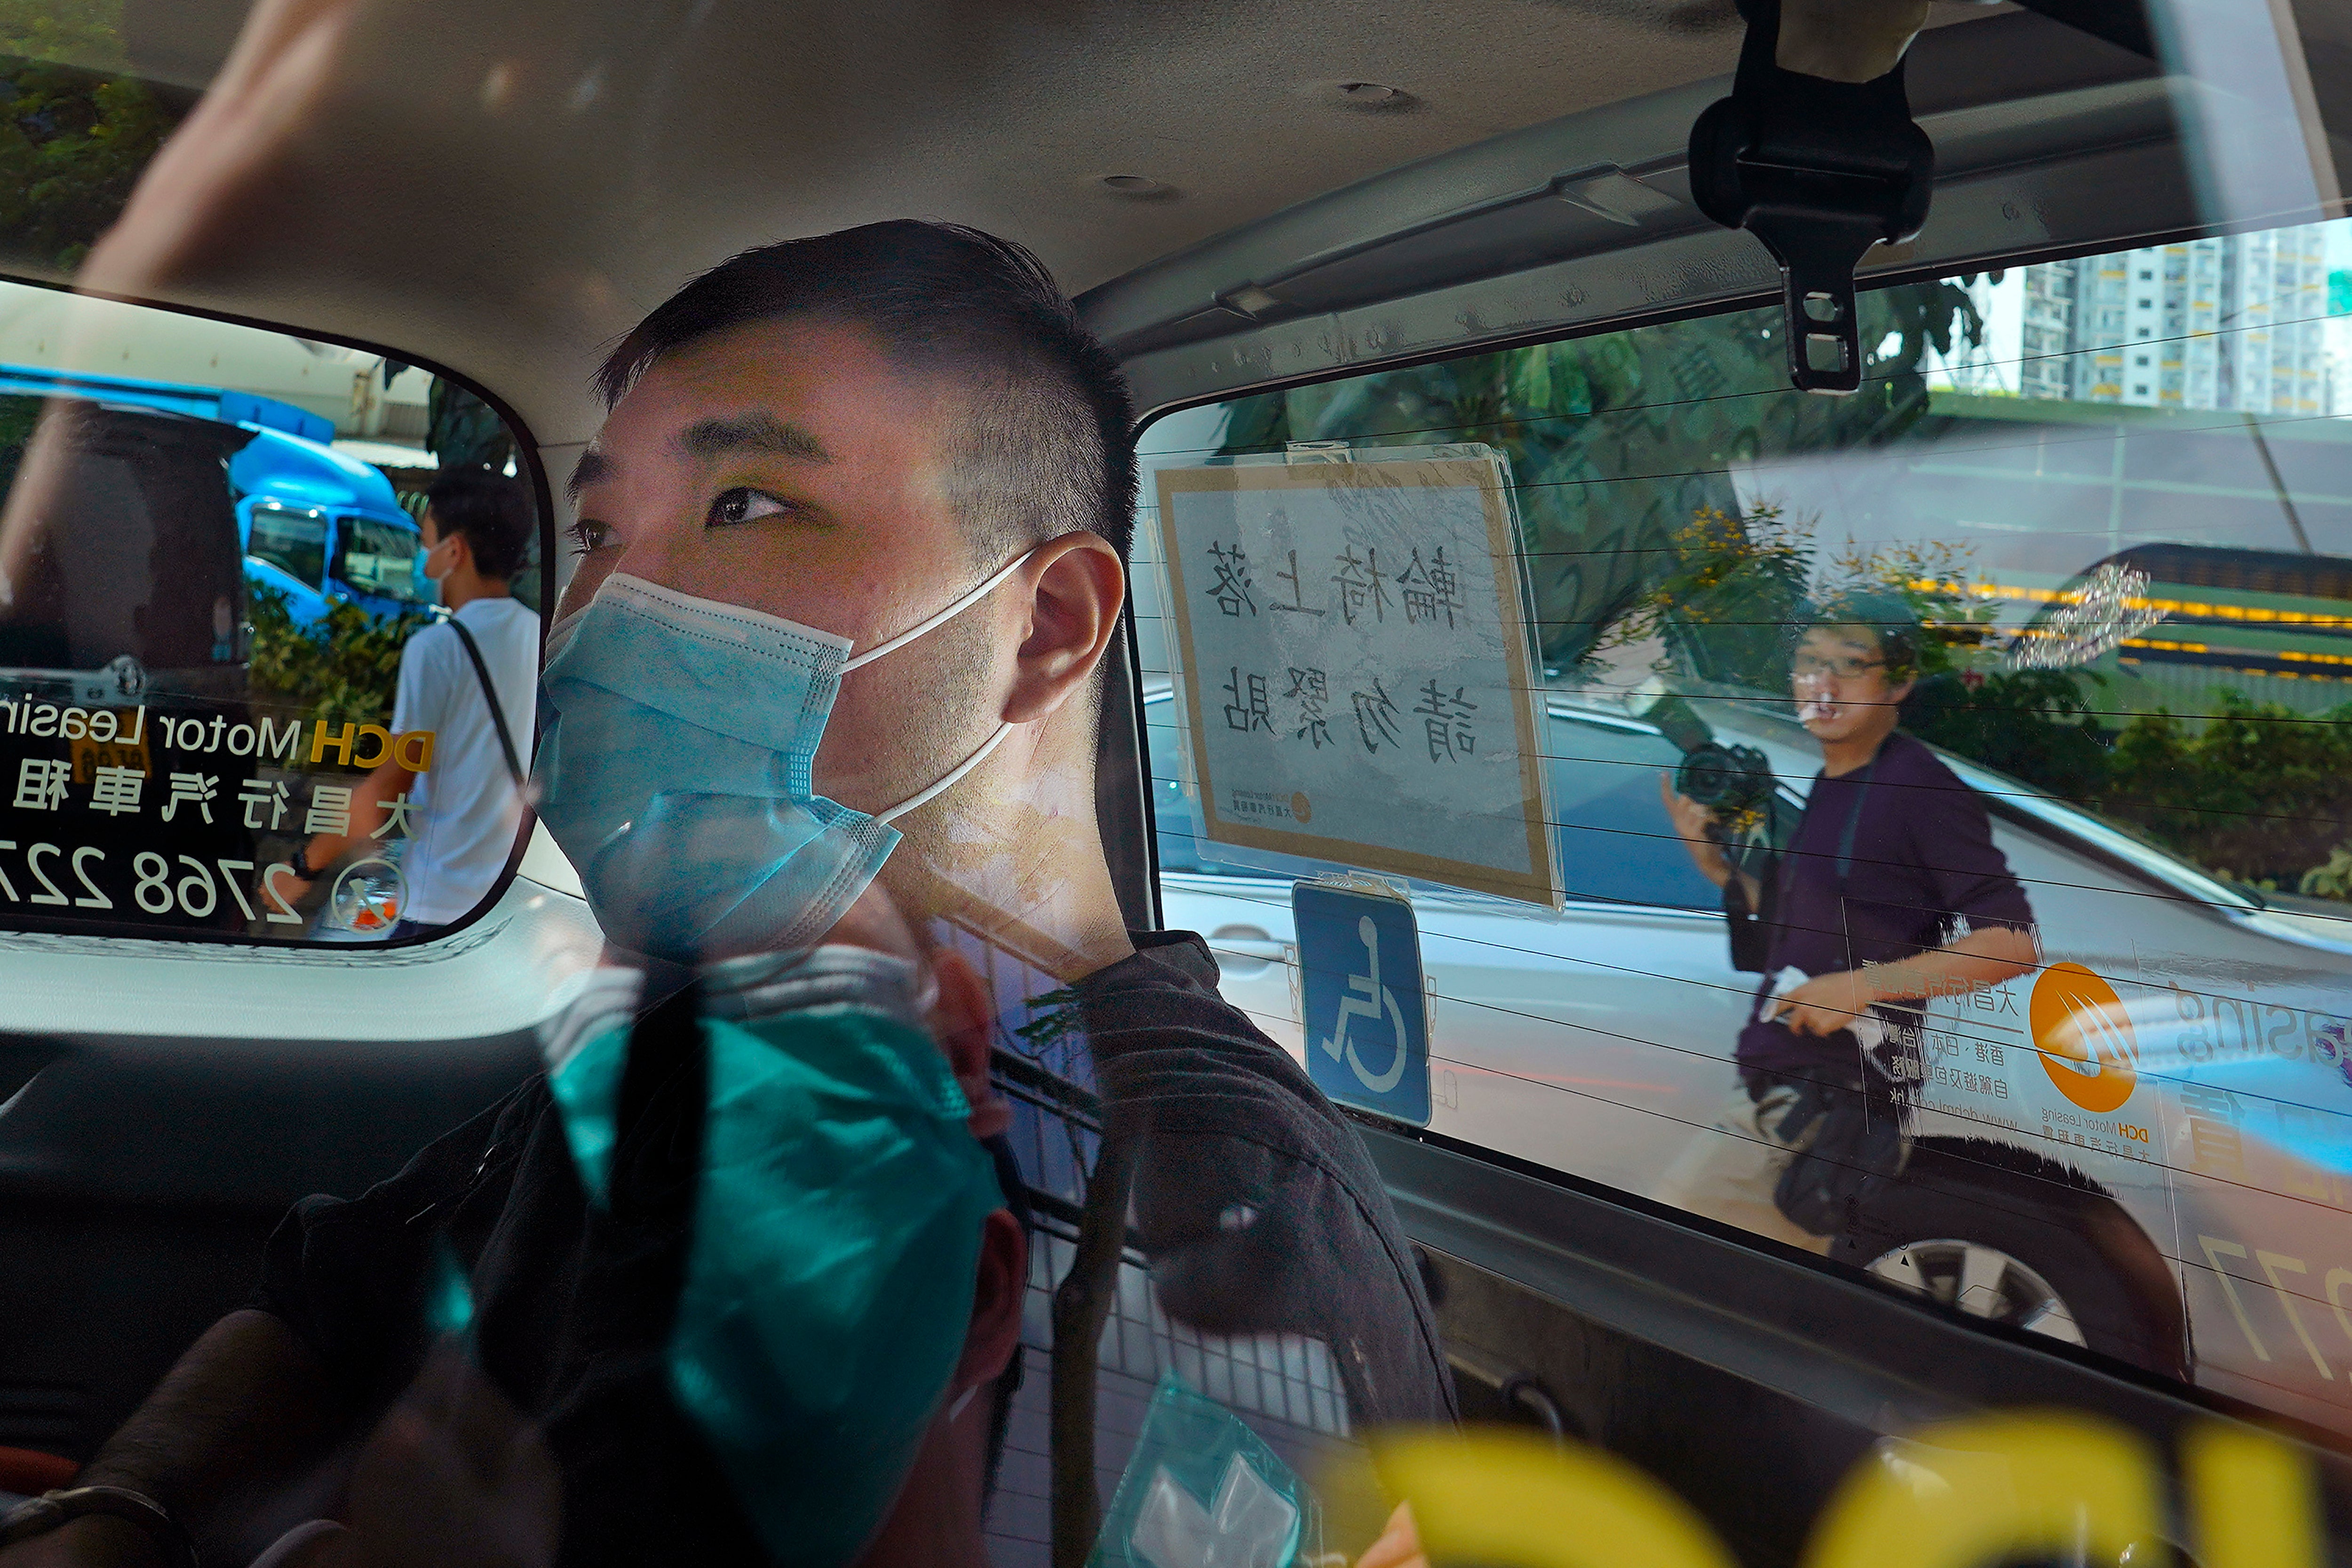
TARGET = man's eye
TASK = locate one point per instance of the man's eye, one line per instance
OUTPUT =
(588, 536)
(743, 505)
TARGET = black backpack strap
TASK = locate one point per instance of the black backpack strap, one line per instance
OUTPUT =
(490, 695)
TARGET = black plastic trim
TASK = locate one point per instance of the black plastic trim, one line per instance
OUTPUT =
(1769, 1314)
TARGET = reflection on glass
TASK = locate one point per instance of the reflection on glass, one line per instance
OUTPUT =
(2109, 495)
(229, 701)
(380, 559)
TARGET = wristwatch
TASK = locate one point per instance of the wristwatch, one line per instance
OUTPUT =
(50, 1510)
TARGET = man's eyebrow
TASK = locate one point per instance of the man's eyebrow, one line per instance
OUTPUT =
(762, 433)
(593, 469)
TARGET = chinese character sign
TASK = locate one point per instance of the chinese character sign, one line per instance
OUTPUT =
(1356, 665)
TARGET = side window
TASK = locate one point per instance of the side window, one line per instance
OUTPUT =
(293, 542)
(2057, 656)
(190, 719)
(1616, 843)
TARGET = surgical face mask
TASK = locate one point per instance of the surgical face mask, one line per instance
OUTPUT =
(837, 1218)
(676, 773)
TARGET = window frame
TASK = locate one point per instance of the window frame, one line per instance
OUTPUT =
(530, 470)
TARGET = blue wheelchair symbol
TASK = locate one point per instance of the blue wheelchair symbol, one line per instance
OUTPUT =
(1360, 991)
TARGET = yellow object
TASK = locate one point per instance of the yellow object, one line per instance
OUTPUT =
(1515, 1500)
(1995, 1489)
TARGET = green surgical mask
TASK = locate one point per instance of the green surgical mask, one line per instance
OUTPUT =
(836, 1235)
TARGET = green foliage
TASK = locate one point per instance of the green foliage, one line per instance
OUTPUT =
(72, 144)
(1617, 440)
(84, 31)
(343, 668)
(1733, 586)
(2333, 880)
(2031, 724)
(2261, 794)
(462, 431)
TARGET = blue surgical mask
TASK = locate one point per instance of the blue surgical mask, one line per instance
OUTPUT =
(837, 1221)
(676, 773)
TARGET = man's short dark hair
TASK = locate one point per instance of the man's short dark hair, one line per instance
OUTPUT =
(1890, 618)
(1045, 445)
(491, 513)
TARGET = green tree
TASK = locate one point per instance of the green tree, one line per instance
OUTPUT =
(1617, 440)
(344, 668)
(86, 33)
(73, 141)
(462, 431)
(1731, 587)
(2037, 725)
(2260, 792)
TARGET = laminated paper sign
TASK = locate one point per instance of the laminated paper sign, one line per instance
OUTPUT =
(1356, 661)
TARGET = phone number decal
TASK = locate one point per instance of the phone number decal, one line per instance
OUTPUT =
(192, 888)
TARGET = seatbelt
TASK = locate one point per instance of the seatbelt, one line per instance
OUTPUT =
(490, 695)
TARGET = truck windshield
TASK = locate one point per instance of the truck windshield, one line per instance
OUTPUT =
(376, 557)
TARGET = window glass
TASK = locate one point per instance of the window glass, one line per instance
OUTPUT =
(380, 558)
(293, 542)
(207, 727)
(1616, 842)
(1971, 753)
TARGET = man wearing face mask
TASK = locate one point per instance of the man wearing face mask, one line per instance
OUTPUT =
(855, 532)
(469, 681)
(1891, 892)
(854, 538)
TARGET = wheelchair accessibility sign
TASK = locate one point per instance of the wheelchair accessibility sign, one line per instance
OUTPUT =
(1367, 1023)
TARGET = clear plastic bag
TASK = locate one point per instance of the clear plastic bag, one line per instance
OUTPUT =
(1202, 1490)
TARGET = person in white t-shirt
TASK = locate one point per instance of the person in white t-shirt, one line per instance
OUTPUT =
(466, 806)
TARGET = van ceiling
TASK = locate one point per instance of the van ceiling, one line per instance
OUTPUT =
(505, 193)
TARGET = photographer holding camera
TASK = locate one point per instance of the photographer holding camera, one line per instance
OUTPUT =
(1889, 892)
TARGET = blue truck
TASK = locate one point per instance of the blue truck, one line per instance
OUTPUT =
(321, 528)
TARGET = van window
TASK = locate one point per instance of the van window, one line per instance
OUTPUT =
(2079, 929)
(295, 543)
(378, 558)
(210, 726)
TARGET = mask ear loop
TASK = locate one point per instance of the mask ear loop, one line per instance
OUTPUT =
(954, 775)
(933, 622)
(957, 772)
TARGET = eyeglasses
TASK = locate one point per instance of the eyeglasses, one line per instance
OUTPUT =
(1806, 664)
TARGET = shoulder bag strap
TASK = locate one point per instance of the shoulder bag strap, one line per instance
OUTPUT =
(1852, 823)
(490, 695)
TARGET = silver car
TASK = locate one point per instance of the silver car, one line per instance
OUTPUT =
(2158, 1169)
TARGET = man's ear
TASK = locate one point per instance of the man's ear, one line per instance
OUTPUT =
(1003, 1279)
(1076, 587)
(964, 1022)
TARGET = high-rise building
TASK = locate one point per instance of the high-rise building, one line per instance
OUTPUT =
(2234, 322)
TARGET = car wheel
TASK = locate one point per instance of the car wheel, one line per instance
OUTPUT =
(1978, 1281)
(2051, 1258)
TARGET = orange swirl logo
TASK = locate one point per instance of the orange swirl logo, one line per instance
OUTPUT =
(2084, 1037)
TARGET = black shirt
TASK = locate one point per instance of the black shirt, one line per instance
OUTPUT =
(1257, 1203)
(1883, 859)
(1258, 1206)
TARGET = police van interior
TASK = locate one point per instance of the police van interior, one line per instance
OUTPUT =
(1527, 397)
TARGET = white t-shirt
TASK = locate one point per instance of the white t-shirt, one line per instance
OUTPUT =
(464, 827)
